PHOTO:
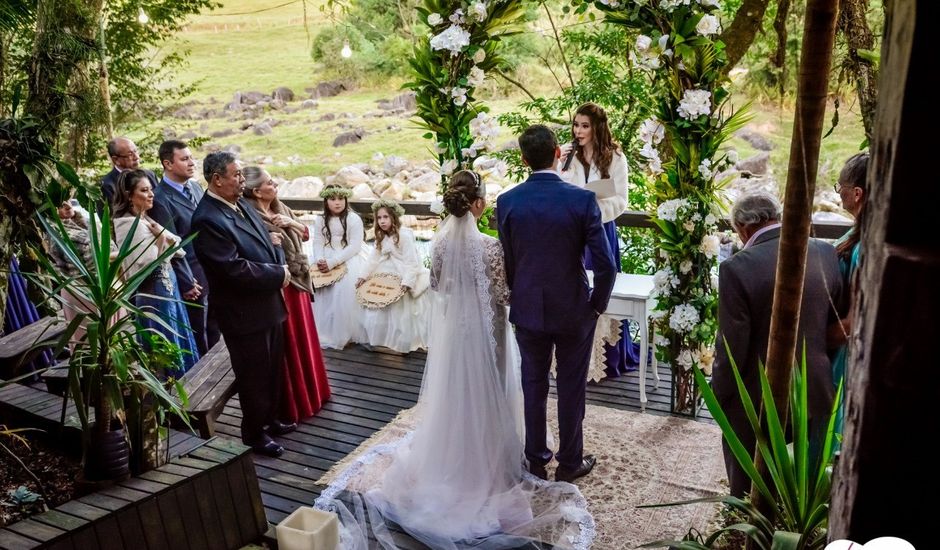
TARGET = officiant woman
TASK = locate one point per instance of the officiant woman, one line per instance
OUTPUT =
(596, 157)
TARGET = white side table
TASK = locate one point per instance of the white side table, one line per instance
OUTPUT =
(632, 299)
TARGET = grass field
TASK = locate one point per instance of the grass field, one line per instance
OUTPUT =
(244, 45)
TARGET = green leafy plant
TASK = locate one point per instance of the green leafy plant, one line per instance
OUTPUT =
(798, 483)
(116, 362)
(21, 497)
(449, 65)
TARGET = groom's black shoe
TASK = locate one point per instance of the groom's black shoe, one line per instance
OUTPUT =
(268, 448)
(280, 428)
(569, 475)
(538, 470)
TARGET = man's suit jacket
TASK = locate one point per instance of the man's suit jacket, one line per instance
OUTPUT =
(544, 226)
(174, 211)
(745, 299)
(109, 184)
(241, 265)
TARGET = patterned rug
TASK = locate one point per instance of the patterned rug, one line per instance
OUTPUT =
(641, 459)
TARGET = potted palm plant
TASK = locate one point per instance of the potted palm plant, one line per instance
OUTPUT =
(120, 373)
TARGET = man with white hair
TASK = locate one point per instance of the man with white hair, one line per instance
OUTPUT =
(745, 300)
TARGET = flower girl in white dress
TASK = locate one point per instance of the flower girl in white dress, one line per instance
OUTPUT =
(403, 325)
(337, 240)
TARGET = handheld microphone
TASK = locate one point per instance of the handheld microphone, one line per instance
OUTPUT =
(571, 154)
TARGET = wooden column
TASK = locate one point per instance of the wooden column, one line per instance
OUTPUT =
(886, 480)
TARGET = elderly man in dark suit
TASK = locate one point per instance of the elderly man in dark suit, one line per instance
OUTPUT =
(745, 299)
(174, 202)
(124, 157)
(246, 276)
(545, 225)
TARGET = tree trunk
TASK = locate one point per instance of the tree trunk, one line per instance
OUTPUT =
(892, 396)
(780, 56)
(65, 33)
(819, 31)
(853, 25)
(740, 34)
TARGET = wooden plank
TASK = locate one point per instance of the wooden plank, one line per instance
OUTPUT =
(35, 530)
(109, 535)
(171, 515)
(254, 492)
(62, 521)
(132, 530)
(287, 479)
(10, 540)
(124, 493)
(144, 485)
(393, 388)
(297, 495)
(202, 486)
(225, 505)
(105, 502)
(82, 510)
(149, 514)
(62, 544)
(192, 519)
(243, 506)
(161, 477)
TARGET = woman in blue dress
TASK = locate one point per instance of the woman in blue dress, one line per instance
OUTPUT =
(596, 157)
(852, 189)
(159, 294)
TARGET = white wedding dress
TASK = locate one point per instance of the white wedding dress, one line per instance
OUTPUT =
(457, 480)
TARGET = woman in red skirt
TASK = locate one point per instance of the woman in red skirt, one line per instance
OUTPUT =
(305, 386)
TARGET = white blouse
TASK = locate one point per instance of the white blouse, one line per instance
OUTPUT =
(611, 207)
(333, 252)
(148, 248)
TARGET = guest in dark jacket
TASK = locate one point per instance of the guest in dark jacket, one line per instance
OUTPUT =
(745, 300)
(246, 275)
(175, 200)
(124, 156)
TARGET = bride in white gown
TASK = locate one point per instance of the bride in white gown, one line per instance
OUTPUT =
(457, 481)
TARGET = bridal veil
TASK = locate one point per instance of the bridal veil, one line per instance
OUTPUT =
(457, 481)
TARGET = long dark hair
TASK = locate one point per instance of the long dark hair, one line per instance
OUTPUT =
(126, 184)
(327, 234)
(854, 174)
(604, 146)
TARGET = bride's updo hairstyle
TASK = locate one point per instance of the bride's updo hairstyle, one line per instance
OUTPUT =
(465, 187)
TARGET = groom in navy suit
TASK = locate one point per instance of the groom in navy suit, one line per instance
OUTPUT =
(545, 225)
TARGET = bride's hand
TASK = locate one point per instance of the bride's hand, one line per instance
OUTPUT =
(359, 282)
(565, 151)
(406, 288)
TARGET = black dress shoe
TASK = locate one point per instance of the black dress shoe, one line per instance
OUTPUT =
(270, 448)
(280, 428)
(538, 470)
(569, 475)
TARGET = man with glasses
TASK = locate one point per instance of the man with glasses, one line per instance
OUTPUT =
(124, 157)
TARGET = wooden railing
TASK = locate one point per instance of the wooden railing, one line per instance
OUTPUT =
(630, 218)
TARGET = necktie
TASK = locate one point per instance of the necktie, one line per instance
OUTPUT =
(188, 193)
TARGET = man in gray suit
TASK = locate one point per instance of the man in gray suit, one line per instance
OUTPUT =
(745, 299)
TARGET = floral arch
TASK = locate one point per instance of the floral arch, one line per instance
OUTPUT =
(677, 44)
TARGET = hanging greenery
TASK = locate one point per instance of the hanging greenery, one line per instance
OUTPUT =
(449, 64)
(681, 145)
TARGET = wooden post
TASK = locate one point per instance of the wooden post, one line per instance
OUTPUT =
(885, 472)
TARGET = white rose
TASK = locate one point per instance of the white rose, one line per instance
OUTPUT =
(478, 10)
(708, 25)
(643, 43)
(479, 56)
(689, 226)
(476, 76)
(710, 246)
(732, 156)
(437, 206)
(435, 19)
(448, 167)
(705, 168)
(469, 152)
(685, 359)
(685, 266)
(662, 42)
(460, 100)
(709, 3)
(456, 18)
(710, 219)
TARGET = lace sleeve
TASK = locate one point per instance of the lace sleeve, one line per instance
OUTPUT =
(494, 260)
(437, 262)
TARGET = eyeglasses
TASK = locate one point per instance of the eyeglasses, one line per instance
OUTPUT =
(837, 187)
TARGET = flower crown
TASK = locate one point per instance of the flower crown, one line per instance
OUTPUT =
(335, 192)
(390, 204)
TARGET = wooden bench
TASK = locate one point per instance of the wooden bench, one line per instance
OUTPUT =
(209, 385)
(22, 346)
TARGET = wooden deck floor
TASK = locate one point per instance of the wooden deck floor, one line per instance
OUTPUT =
(369, 388)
